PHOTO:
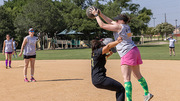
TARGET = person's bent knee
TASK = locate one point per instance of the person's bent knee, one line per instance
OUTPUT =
(122, 90)
(97, 85)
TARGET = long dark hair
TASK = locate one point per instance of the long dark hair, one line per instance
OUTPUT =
(95, 44)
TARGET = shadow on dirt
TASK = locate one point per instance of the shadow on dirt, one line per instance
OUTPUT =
(60, 80)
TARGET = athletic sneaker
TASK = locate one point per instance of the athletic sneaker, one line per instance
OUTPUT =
(9, 66)
(26, 80)
(33, 80)
(148, 97)
(6, 67)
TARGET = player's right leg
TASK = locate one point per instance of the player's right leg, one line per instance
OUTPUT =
(126, 72)
(6, 61)
(26, 61)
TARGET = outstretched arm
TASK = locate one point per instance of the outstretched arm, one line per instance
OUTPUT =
(105, 18)
(111, 27)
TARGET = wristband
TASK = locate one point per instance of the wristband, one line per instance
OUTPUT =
(96, 15)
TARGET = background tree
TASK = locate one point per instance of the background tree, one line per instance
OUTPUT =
(41, 15)
(53, 16)
(164, 28)
(6, 25)
(150, 32)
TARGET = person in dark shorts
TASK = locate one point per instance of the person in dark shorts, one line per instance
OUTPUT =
(98, 70)
(171, 45)
(29, 47)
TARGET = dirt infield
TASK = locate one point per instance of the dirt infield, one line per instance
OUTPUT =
(69, 80)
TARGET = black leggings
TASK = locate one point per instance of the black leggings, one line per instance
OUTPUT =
(113, 85)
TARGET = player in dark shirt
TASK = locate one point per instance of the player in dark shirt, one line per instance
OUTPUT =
(98, 70)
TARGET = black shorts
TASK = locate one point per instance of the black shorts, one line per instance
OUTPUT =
(30, 56)
(171, 47)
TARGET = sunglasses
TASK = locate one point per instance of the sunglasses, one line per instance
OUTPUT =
(31, 31)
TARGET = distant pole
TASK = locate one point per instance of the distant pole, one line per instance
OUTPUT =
(154, 22)
(176, 25)
(176, 29)
(165, 18)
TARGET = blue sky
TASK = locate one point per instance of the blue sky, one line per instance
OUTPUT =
(159, 8)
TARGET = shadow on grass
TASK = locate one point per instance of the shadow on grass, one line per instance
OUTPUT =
(59, 80)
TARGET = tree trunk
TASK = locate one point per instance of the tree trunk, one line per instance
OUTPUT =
(162, 37)
(89, 42)
(165, 36)
(151, 37)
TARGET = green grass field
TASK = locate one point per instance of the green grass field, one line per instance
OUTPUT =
(148, 52)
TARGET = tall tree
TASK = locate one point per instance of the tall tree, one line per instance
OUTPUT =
(41, 15)
(6, 24)
(150, 32)
(15, 6)
(164, 28)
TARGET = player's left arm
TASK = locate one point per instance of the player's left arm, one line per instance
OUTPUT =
(106, 49)
(110, 53)
(109, 27)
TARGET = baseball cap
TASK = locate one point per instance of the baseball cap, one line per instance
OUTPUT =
(108, 40)
(31, 29)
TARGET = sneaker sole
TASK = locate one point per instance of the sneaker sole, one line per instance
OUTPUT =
(150, 97)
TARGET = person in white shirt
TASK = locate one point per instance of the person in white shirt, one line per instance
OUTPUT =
(171, 45)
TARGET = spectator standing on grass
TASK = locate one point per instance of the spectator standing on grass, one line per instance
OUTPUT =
(171, 45)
